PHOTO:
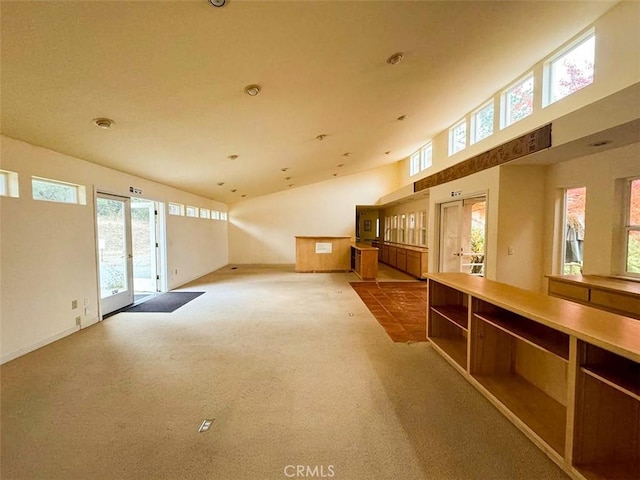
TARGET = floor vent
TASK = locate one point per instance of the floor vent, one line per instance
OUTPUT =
(206, 425)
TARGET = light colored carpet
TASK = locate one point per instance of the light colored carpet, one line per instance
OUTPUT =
(289, 377)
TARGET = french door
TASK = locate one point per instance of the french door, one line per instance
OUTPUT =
(462, 236)
(113, 218)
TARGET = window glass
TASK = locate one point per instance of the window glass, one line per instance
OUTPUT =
(215, 214)
(56, 191)
(458, 137)
(632, 230)
(192, 211)
(518, 101)
(574, 228)
(414, 163)
(4, 181)
(223, 215)
(426, 156)
(205, 213)
(176, 209)
(573, 70)
(483, 123)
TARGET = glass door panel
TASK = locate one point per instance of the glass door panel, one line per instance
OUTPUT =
(114, 252)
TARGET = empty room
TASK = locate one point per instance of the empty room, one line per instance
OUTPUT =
(320, 239)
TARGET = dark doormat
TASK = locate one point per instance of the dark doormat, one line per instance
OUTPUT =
(166, 302)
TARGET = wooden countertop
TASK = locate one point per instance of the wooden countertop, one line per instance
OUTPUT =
(363, 246)
(406, 247)
(618, 285)
(320, 237)
(612, 332)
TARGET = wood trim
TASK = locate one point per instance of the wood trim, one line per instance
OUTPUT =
(527, 144)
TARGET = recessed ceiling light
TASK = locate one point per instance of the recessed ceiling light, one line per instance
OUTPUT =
(340, 165)
(252, 90)
(243, 195)
(104, 123)
(346, 154)
(322, 136)
(395, 59)
(287, 178)
(387, 152)
(234, 190)
(600, 143)
(401, 117)
(284, 169)
(335, 174)
(220, 184)
(232, 157)
(218, 3)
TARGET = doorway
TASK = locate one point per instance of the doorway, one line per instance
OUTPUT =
(463, 236)
(145, 248)
(115, 256)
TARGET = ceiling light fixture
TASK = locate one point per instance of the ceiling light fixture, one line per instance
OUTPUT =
(340, 165)
(218, 3)
(387, 152)
(395, 59)
(335, 174)
(232, 157)
(346, 154)
(401, 117)
(284, 169)
(243, 195)
(234, 190)
(252, 90)
(104, 123)
(322, 136)
(288, 178)
(220, 184)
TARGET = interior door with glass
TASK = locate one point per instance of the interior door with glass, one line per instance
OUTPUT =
(462, 236)
(450, 236)
(113, 215)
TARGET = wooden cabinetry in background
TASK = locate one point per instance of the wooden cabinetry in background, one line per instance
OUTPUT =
(364, 261)
(407, 258)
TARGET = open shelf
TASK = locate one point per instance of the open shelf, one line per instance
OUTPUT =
(456, 314)
(535, 334)
(542, 414)
(607, 440)
(454, 347)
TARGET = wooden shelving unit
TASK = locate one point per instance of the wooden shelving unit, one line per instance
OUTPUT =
(448, 321)
(567, 375)
(608, 411)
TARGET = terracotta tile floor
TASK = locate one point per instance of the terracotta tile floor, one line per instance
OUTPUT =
(400, 307)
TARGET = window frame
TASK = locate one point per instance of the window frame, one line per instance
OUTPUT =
(452, 130)
(194, 210)
(628, 228)
(426, 156)
(9, 185)
(79, 191)
(180, 208)
(547, 75)
(474, 122)
(205, 213)
(414, 163)
(504, 100)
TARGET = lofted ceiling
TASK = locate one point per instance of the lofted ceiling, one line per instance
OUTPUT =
(172, 75)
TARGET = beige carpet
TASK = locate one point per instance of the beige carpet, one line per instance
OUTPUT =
(293, 369)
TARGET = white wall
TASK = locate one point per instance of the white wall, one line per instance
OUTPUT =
(49, 249)
(262, 230)
(521, 215)
(600, 174)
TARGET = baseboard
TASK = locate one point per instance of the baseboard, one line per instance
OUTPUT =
(23, 351)
(90, 322)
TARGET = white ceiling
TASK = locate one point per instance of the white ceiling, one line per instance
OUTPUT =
(171, 75)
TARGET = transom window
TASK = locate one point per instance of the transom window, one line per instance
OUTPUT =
(57, 191)
(571, 70)
(414, 163)
(205, 213)
(176, 209)
(192, 211)
(458, 137)
(632, 228)
(482, 123)
(8, 184)
(517, 101)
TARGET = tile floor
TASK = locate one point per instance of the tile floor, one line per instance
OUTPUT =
(400, 307)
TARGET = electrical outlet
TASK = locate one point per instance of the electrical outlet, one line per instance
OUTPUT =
(74, 304)
(175, 272)
(78, 320)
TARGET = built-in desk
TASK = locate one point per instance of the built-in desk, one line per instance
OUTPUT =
(364, 261)
(615, 295)
(323, 254)
(566, 374)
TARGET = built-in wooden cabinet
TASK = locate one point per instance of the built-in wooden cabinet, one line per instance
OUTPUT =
(567, 375)
(364, 261)
(407, 258)
(615, 295)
